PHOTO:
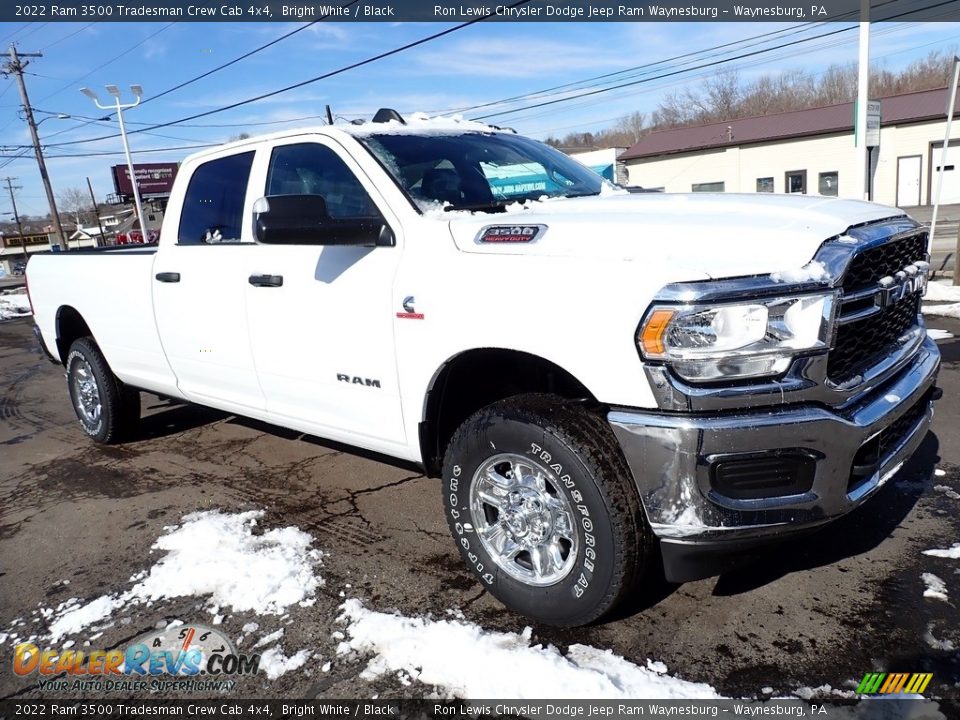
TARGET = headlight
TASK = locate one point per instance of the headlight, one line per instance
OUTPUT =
(736, 340)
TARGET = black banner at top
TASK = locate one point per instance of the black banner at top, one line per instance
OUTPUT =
(486, 10)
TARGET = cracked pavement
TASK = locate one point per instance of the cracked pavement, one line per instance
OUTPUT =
(819, 610)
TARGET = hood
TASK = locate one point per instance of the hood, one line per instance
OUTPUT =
(712, 235)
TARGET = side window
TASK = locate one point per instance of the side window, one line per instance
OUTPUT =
(314, 169)
(213, 207)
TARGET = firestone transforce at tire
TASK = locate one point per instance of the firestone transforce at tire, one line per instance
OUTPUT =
(541, 504)
(108, 410)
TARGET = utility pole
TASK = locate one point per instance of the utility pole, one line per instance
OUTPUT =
(15, 66)
(96, 213)
(16, 217)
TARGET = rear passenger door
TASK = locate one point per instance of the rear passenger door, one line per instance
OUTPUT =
(323, 339)
(200, 284)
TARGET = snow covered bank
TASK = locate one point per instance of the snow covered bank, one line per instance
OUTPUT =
(467, 661)
(14, 304)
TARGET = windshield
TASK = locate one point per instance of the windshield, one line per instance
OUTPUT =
(479, 171)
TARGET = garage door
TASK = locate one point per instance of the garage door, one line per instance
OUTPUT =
(951, 175)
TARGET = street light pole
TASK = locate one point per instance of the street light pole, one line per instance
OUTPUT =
(119, 107)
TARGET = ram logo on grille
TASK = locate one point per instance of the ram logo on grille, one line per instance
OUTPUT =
(912, 279)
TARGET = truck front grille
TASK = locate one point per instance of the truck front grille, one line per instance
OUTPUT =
(864, 340)
(862, 343)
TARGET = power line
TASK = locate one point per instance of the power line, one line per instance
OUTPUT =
(244, 56)
(108, 62)
(309, 81)
(714, 63)
(68, 36)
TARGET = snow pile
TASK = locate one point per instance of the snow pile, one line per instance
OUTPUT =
(14, 304)
(936, 588)
(217, 555)
(943, 310)
(953, 552)
(813, 271)
(935, 334)
(274, 663)
(942, 291)
(466, 661)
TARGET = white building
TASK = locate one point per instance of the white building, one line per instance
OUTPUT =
(807, 151)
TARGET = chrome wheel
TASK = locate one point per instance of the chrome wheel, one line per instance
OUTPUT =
(523, 519)
(86, 393)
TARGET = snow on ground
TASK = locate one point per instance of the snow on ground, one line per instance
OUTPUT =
(935, 334)
(948, 491)
(269, 638)
(936, 588)
(216, 555)
(14, 304)
(942, 291)
(952, 310)
(466, 661)
(935, 642)
(953, 552)
(274, 663)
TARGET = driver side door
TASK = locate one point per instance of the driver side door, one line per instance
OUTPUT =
(322, 333)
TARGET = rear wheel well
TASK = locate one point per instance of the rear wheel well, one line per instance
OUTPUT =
(70, 327)
(477, 378)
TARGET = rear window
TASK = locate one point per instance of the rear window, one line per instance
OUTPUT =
(213, 207)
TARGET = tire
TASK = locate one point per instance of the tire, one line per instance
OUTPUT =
(108, 410)
(583, 537)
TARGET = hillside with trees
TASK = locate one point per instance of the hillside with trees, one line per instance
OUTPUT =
(727, 96)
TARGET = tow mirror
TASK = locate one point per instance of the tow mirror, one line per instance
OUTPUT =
(303, 220)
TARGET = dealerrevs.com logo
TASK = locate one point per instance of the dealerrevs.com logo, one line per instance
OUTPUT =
(172, 658)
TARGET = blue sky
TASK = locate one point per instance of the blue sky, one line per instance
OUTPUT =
(479, 64)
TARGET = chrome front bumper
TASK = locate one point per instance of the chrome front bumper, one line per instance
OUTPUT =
(670, 457)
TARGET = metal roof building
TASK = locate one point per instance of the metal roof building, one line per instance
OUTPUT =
(809, 151)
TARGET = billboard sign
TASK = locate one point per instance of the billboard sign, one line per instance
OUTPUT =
(152, 178)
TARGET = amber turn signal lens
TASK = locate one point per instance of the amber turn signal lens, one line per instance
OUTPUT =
(651, 337)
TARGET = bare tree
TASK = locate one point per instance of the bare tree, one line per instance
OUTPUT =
(75, 202)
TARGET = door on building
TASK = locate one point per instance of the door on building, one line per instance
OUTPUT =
(951, 174)
(795, 181)
(908, 180)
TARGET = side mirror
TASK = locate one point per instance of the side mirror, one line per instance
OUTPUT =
(303, 220)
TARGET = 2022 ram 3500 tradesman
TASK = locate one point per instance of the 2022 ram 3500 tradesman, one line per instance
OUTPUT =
(601, 380)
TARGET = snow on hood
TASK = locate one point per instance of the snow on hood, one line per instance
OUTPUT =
(716, 235)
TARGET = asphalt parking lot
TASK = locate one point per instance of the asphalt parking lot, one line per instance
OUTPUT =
(818, 611)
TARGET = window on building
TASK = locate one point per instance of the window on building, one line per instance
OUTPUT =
(796, 181)
(708, 187)
(765, 184)
(213, 206)
(828, 183)
(314, 169)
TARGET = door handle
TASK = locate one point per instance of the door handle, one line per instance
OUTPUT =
(168, 277)
(266, 280)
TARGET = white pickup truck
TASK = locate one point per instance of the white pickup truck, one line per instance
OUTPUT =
(602, 380)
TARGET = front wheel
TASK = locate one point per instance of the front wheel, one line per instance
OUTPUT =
(107, 409)
(541, 504)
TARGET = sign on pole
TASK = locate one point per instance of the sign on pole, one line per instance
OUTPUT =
(873, 123)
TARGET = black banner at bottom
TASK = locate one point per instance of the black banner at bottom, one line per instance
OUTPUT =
(886, 707)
